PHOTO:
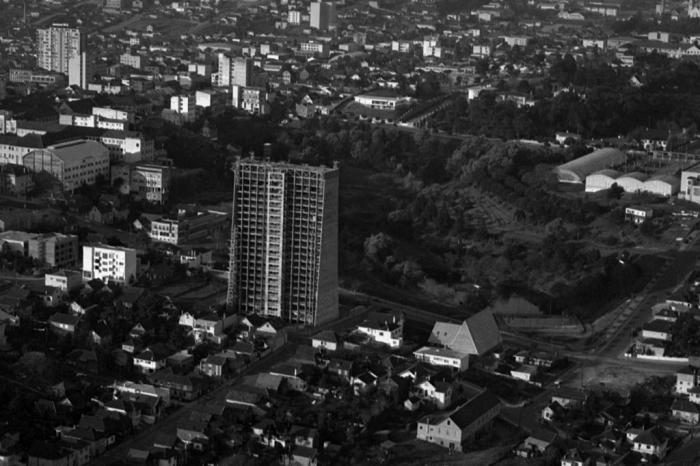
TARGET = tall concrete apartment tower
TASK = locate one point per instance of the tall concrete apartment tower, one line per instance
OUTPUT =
(63, 49)
(284, 241)
(241, 71)
(322, 15)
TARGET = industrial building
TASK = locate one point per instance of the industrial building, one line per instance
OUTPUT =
(284, 241)
(633, 182)
(690, 186)
(578, 169)
(73, 163)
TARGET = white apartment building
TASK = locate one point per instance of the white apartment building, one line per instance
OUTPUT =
(164, 230)
(251, 99)
(109, 263)
(93, 121)
(63, 49)
(108, 113)
(134, 61)
(314, 48)
(183, 105)
(294, 17)
(73, 163)
(127, 146)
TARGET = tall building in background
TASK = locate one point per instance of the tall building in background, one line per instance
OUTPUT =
(241, 71)
(322, 15)
(63, 49)
(284, 241)
(224, 73)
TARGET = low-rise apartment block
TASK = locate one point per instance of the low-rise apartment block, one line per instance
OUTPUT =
(109, 263)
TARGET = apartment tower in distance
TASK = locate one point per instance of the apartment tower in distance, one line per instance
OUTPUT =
(284, 241)
(242, 71)
(322, 15)
(63, 49)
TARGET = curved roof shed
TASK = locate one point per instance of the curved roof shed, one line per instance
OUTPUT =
(578, 169)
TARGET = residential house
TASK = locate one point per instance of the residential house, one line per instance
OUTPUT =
(385, 328)
(686, 379)
(536, 443)
(181, 361)
(438, 392)
(325, 340)
(568, 396)
(685, 411)
(302, 456)
(150, 360)
(694, 395)
(452, 429)
(341, 368)
(261, 326)
(552, 410)
(213, 366)
(525, 372)
(657, 330)
(193, 431)
(63, 324)
(244, 396)
(651, 442)
(443, 357)
(181, 387)
(210, 325)
(292, 375)
(271, 382)
(363, 383)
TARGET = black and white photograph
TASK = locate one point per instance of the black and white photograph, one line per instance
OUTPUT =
(349, 232)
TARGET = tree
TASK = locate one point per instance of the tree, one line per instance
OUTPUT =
(615, 191)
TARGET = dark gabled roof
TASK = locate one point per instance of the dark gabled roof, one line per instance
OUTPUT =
(650, 437)
(61, 318)
(658, 325)
(474, 408)
(269, 381)
(215, 360)
(382, 320)
(683, 405)
(257, 321)
(326, 335)
(243, 394)
(569, 393)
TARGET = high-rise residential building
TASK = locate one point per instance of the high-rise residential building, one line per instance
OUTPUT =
(322, 15)
(63, 49)
(284, 241)
(223, 75)
(109, 263)
(241, 71)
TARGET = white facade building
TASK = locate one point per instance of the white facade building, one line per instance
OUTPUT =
(183, 105)
(109, 263)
